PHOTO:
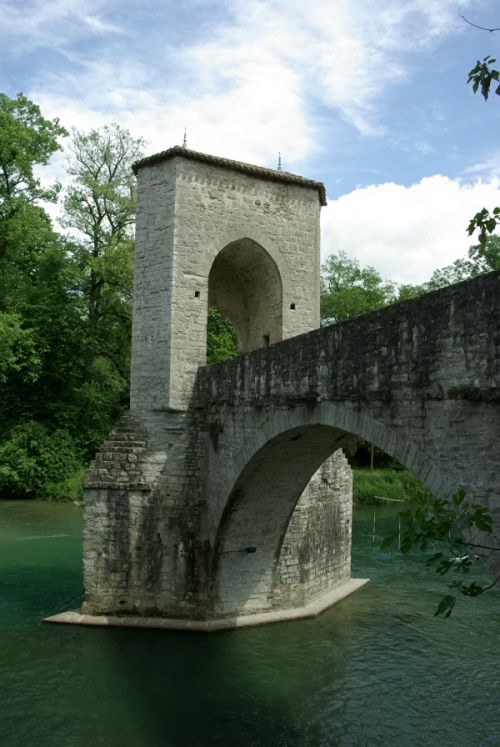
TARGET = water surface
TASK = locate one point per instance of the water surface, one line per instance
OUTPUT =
(376, 669)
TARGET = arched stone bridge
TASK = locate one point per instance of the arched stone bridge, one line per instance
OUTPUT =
(209, 521)
(223, 497)
(420, 380)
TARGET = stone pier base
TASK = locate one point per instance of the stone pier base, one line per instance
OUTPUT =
(313, 609)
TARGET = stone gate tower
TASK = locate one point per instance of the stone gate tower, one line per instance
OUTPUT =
(245, 239)
(228, 234)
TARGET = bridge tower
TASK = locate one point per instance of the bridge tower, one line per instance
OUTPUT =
(219, 232)
(245, 239)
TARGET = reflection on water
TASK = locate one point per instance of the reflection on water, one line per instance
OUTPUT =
(376, 669)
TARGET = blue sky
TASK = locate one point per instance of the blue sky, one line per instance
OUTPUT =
(370, 98)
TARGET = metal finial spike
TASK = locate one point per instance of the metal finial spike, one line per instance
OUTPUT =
(184, 141)
(279, 162)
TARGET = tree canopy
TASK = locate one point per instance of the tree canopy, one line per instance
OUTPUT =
(348, 289)
(65, 300)
(26, 140)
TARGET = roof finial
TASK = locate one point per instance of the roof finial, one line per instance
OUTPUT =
(279, 162)
(184, 141)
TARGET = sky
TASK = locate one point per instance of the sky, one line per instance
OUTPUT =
(368, 97)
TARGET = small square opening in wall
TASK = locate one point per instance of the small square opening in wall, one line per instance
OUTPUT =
(265, 339)
(292, 306)
(197, 294)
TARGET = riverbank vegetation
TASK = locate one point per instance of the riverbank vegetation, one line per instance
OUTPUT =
(384, 484)
(66, 294)
(65, 299)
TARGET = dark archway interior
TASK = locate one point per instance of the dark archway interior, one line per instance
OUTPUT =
(245, 284)
(259, 510)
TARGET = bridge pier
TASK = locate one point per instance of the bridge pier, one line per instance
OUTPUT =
(152, 541)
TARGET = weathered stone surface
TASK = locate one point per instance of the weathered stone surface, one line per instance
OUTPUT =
(205, 230)
(201, 506)
(316, 551)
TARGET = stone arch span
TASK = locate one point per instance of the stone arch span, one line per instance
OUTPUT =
(345, 420)
(245, 283)
(268, 477)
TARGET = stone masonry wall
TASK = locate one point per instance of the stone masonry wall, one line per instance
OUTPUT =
(316, 551)
(188, 212)
(420, 380)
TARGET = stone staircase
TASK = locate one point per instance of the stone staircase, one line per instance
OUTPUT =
(121, 462)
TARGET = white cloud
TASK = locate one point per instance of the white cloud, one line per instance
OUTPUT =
(252, 85)
(253, 88)
(52, 24)
(487, 168)
(406, 232)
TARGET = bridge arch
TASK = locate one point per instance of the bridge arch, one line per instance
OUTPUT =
(268, 476)
(245, 283)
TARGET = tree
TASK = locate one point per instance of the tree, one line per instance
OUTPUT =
(65, 311)
(222, 343)
(38, 319)
(26, 140)
(458, 534)
(482, 258)
(347, 289)
(18, 349)
(99, 213)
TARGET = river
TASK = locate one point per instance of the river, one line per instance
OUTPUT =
(377, 669)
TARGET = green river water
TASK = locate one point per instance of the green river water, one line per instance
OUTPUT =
(377, 669)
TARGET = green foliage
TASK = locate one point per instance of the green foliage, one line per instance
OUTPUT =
(485, 256)
(34, 460)
(26, 139)
(347, 289)
(222, 342)
(100, 211)
(18, 350)
(101, 200)
(65, 305)
(482, 77)
(373, 486)
(457, 534)
(482, 257)
(407, 291)
(485, 222)
(67, 488)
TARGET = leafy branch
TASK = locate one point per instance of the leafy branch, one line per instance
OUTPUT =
(485, 222)
(456, 529)
(482, 76)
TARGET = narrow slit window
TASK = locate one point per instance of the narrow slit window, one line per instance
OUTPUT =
(197, 294)
(265, 339)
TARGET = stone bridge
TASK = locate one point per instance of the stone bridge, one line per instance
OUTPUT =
(420, 380)
(223, 497)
